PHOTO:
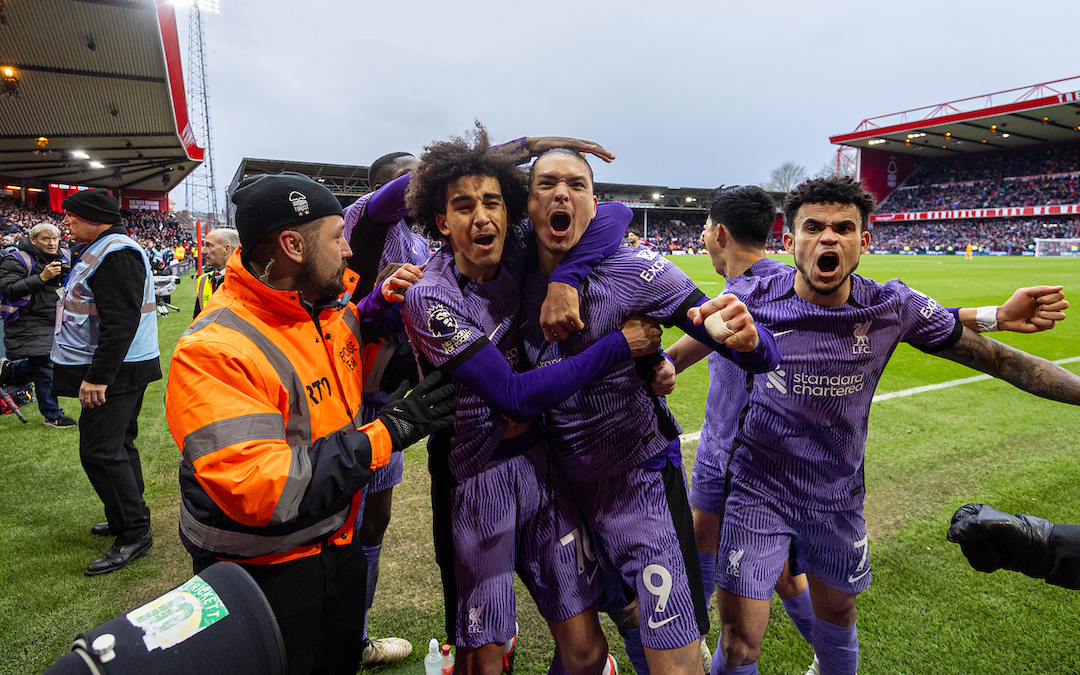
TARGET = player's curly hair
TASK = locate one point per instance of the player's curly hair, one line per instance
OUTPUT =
(829, 190)
(443, 162)
(747, 211)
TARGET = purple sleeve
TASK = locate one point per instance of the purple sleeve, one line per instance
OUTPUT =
(955, 311)
(765, 357)
(521, 396)
(387, 205)
(521, 144)
(377, 315)
(603, 237)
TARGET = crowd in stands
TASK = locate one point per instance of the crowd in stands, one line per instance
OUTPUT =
(681, 233)
(1029, 161)
(1038, 191)
(1012, 235)
(17, 218)
(1039, 176)
(152, 229)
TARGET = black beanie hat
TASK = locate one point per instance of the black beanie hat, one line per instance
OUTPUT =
(268, 201)
(97, 206)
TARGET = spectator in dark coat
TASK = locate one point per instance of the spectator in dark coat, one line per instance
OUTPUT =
(28, 338)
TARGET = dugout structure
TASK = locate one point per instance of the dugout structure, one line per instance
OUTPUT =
(884, 151)
(92, 94)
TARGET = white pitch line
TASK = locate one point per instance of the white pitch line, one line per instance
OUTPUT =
(914, 390)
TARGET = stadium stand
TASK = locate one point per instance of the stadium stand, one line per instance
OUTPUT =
(995, 176)
(147, 227)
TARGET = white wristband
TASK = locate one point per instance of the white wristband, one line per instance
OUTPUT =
(986, 319)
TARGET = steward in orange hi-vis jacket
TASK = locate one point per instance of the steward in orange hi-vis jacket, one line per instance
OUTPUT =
(264, 401)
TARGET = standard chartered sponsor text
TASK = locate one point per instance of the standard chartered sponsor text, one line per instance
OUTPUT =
(808, 384)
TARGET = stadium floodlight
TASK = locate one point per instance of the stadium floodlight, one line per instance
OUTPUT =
(691, 199)
(1004, 135)
(656, 196)
(877, 141)
(79, 154)
(9, 85)
(97, 165)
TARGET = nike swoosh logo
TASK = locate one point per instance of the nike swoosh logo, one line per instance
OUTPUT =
(657, 624)
(852, 579)
(493, 333)
(783, 332)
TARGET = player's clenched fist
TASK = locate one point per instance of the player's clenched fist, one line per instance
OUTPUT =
(991, 540)
(728, 322)
(642, 334)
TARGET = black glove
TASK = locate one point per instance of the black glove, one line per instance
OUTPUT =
(429, 408)
(992, 540)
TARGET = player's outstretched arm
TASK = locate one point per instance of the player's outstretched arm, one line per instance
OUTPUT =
(538, 145)
(522, 396)
(1033, 374)
(1028, 310)
(992, 540)
(726, 327)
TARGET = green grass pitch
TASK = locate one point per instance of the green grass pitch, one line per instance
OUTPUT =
(926, 612)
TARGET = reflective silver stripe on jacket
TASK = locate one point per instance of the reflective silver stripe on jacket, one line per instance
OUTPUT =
(354, 325)
(228, 542)
(223, 433)
(297, 433)
(77, 302)
(382, 359)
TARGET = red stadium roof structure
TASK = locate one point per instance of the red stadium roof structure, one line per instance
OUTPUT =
(1042, 113)
(91, 93)
(884, 151)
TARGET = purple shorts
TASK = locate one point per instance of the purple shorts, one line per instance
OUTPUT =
(515, 515)
(707, 480)
(386, 477)
(642, 527)
(759, 533)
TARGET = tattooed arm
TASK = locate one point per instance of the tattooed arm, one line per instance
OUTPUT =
(1033, 374)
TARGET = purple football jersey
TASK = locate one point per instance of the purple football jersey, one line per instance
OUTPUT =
(613, 423)
(727, 395)
(804, 434)
(445, 314)
(404, 246)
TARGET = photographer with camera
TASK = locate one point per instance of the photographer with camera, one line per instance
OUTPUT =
(30, 281)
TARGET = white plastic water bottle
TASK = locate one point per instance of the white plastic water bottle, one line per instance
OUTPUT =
(447, 661)
(433, 660)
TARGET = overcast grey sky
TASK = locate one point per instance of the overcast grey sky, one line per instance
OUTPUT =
(686, 94)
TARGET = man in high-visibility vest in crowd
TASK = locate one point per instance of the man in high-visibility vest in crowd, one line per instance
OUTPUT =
(218, 245)
(264, 401)
(177, 261)
(105, 353)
